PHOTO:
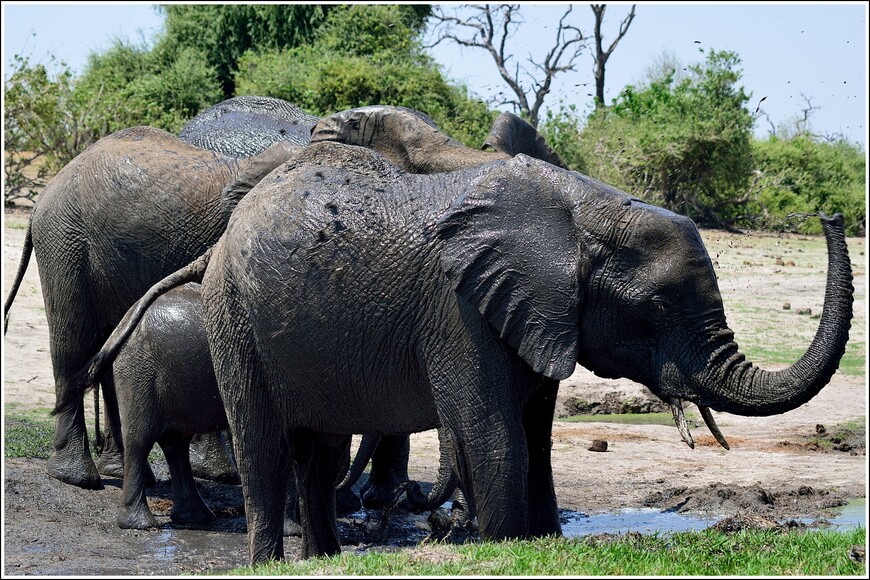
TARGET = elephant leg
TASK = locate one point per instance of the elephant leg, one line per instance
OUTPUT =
(111, 460)
(134, 513)
(211, 459)
(538, 423)
(317, 472)
(389, 471)
(491, 462)
(187, 505)
(74, 336)
(291, 509)
(71, 461)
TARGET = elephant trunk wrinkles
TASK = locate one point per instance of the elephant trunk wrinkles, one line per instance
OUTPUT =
(738, 387)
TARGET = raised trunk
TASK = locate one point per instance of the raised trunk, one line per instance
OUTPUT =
(735, 386)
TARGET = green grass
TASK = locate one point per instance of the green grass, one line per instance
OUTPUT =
(626, 419)
(28, 435)
(704, 553)
(14, 224)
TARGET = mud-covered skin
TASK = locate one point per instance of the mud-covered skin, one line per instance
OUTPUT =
(246, 125)
(167, 393)
(462, 299)
(129, 210)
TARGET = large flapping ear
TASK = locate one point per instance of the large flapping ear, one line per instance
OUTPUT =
(253, 170)
(512, 135)
(511, 250)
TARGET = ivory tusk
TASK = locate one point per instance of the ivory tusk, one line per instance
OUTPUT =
(680, 420)
(712, 426)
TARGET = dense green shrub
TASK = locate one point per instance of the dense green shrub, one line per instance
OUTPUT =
(803, 176)
(682, 143)
(383, 64)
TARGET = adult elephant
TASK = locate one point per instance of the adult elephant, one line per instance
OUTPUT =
(341, 301)
(130, 209)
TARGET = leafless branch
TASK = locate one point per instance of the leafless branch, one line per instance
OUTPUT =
(490, 27)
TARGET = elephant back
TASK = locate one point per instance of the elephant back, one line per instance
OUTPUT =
(245, 126)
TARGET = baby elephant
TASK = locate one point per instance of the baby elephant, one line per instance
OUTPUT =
(167, 393)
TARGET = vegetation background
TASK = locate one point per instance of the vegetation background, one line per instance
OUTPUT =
(682, 139)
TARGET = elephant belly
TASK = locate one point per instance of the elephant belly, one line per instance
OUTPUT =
(352, 390)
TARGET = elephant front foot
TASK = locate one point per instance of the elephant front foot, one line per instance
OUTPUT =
(111, 463)
(74, 470)
(136, 518)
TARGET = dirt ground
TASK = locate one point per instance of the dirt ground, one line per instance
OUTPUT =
(781, 467)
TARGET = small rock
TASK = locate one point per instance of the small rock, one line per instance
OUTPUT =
(820, 429)
(786, 306)
(856, 554)
(598, 445)
(804, 311)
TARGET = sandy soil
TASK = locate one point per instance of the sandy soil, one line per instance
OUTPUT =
(775, 466)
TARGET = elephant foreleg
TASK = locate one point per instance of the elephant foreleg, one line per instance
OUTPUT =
(538, 425)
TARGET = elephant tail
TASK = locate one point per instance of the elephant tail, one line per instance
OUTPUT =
(444, 486)
(87, 378)
(363, 455)
(26, 251)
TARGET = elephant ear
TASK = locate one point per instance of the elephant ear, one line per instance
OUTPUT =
(512, 135)
(511, 250)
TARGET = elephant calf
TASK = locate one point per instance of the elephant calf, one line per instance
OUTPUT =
(167, 393)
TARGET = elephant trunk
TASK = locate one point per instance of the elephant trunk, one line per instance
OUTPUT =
(446, 483)
(361, 459)
(734, 385)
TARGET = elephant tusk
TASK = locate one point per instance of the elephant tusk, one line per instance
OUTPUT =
(712, 426)
(680, 420)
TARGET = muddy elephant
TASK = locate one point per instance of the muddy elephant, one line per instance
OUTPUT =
(127, 211)
(130, 209)
(341, 301)
(167, 393)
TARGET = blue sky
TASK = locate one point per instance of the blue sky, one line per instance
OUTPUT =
(791, 52)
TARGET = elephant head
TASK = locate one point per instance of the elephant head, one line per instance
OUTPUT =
(572, 270)
(407, 138)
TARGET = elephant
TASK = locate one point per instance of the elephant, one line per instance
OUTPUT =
(246, 125)
(342, 300)
(130, 209)
(167, 393)
(91, 246)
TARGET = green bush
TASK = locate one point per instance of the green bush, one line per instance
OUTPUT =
(681, 143)
(803, 176)
(383, 64)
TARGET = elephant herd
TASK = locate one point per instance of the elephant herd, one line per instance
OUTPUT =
(301, 280)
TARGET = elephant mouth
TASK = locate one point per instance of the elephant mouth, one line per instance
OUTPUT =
(683, 427)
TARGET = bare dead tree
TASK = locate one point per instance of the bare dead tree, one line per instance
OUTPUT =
(602, 55)
(490, 27)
